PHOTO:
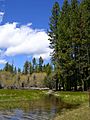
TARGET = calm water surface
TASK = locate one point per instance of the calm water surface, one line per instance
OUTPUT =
(44, 109)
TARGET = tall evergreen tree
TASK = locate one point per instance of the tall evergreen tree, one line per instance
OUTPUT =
(70, 40)
(6, 66)
(54, 36)
(19, 70)
(48, 69)
(30, 68)
(26, 67)
(85, 39)
(34, 63)
(64, 45)
(40, 63)
(75, 39)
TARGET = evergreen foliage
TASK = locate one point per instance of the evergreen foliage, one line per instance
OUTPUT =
(40, 63)
(70, 40)
(9, 67)
(53, 34)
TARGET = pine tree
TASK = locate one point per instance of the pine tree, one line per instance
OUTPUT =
(34, 63)
(48, 69)
(40, 63)
(64, 45)
(54, 36)
(26, 67)
(75, 40)
(85, 48)
(6, 66)
(30, 68)
(70, 40)
(19, 70)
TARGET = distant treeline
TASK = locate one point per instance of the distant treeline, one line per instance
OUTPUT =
(33, 74)
(29, 67)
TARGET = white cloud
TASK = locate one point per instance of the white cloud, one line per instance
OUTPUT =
(45, 56)
(1, 53)
(29, 24)
(3, 61)
(1, 16)
(24, 40)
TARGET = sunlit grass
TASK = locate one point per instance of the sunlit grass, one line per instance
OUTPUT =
(20, 94)
(73, 97)
(18, 98)
(82, 112)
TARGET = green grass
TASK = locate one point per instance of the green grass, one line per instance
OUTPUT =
(73, 97)
(15, 95)
(10, 99)
(82, 112)
(18, 98)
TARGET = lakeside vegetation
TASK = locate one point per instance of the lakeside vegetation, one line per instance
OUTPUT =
(81, 113)
(16, 95)
(10, 99)
(69, 29)
(73, 97)
(76, 102)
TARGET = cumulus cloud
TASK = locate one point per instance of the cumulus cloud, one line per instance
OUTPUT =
(1, 53)
(24, 40)
(3, 61)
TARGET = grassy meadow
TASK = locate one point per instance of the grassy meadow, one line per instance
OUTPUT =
(18, 98)
(81, 112)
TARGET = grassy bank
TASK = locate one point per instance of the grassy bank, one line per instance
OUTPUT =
(73, 97)
(10, 99)
(18, 98)
(82, 112)
(16, 95)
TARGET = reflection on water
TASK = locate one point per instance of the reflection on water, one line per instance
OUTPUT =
(43, 109)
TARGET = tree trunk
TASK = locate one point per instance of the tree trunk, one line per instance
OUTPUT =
(57, 84)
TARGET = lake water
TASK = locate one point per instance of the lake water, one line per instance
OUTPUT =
(44, 109)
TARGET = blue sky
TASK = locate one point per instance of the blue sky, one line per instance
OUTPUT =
(23, 26)
(25, 11)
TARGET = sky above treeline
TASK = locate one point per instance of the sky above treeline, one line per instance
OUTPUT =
(23, 30)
